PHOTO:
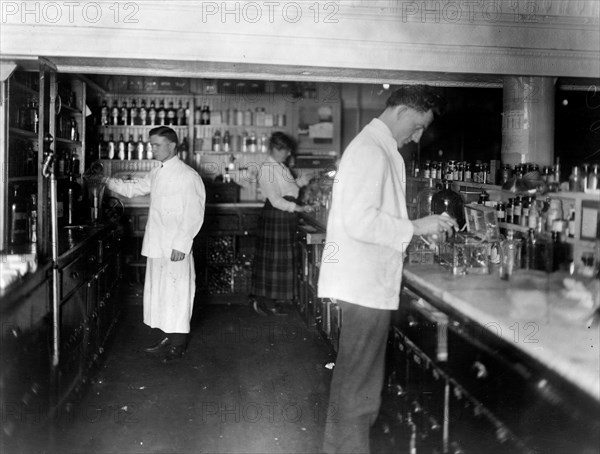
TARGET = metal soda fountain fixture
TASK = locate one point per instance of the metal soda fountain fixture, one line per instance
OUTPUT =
(95, 185)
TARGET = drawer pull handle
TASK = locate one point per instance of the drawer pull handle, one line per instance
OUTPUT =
(480, 370)
(74, 275)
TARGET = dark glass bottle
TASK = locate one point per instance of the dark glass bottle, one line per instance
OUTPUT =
(19, 227)
(171, 115)
(529, 258)
(448, 201)
(517, 210)
(114, 114)
(104, 114)
(180, 115)
(73, 201)
(143, 117)
(124, 114)
(134, 118)
(152, 114)
(111, 148)
(162, 113)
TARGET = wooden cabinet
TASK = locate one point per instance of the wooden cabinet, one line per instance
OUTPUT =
(224, 248)
(452, 387)
(322, 313)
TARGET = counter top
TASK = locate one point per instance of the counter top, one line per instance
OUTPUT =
(533, 312)
(317, 219)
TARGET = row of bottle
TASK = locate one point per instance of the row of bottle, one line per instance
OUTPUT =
(238, 117)
(23, 217)
(28, 116)
(132, 149)
(132, 115)
(534, 252)
(584, 177)
(67, 128)
(23, 211)
(542, 216)
(247, 142)
(455, 171)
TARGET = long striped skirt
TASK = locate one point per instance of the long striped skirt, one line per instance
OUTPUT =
(273, 266)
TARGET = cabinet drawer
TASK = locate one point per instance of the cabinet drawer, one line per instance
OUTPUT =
(77, 272)
(425, 326)
(216, 222)
(500, 385)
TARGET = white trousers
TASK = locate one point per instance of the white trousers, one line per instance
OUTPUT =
(169, 291)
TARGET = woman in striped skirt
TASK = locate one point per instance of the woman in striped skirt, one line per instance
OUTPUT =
(273, 267)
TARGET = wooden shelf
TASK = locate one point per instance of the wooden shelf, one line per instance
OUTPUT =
(23, 88)
(23, 132)
(72, 110)
(20, 179)
(68, 141)
(123, 127)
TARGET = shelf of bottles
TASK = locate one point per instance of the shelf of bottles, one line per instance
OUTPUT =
(238, 123)
(126, 120)
(22, 161)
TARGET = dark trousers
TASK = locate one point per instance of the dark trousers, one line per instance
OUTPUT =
(355, 392)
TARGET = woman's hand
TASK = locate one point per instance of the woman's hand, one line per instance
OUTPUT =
(303, 209)
(303, 179)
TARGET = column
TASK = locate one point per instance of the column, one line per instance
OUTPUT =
(528, 120)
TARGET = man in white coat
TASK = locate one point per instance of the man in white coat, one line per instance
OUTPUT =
(369, 230)
(176, 213)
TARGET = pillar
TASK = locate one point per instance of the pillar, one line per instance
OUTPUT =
(528, 120)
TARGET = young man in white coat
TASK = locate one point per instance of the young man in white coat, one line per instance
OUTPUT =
(369, 226)
(176, 213)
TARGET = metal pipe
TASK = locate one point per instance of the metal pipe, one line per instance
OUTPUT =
(48, 172)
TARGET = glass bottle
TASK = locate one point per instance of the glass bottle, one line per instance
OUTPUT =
(143, 117)
(517, 210)
(152, 114)
(555, 212)
(450, 202)
(424, 199)
(111, 148)
(171, 115)
(592, 180)
(216, 141)
(114, 114)
(161, 114)
(226, 141)
(124, 114)
(149, 153)
(180, 114)
(557, 251)
(510, 255)
(73, 202)
(529, 258)
(205, 117)
(19, 228)
(104, 114)
(139, 148)
(131, 148)
(184, 150)
(584, 176)
(121, 148)
(33, 219)
(134, 117)
(575, 180)
(533, 216)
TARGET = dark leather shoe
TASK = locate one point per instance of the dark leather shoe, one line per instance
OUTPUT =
(159, 346)
(259, 307)
(175, 352)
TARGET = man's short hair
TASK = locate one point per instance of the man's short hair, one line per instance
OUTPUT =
(419, 97)
(166, 132)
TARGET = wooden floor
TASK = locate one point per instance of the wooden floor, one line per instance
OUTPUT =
(247, 384)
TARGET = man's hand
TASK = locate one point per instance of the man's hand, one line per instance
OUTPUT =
(303, 179)
(176, 255)
(434, 225)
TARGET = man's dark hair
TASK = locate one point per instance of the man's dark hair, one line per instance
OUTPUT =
(280, 140)
(166, 132)
(418, 97)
